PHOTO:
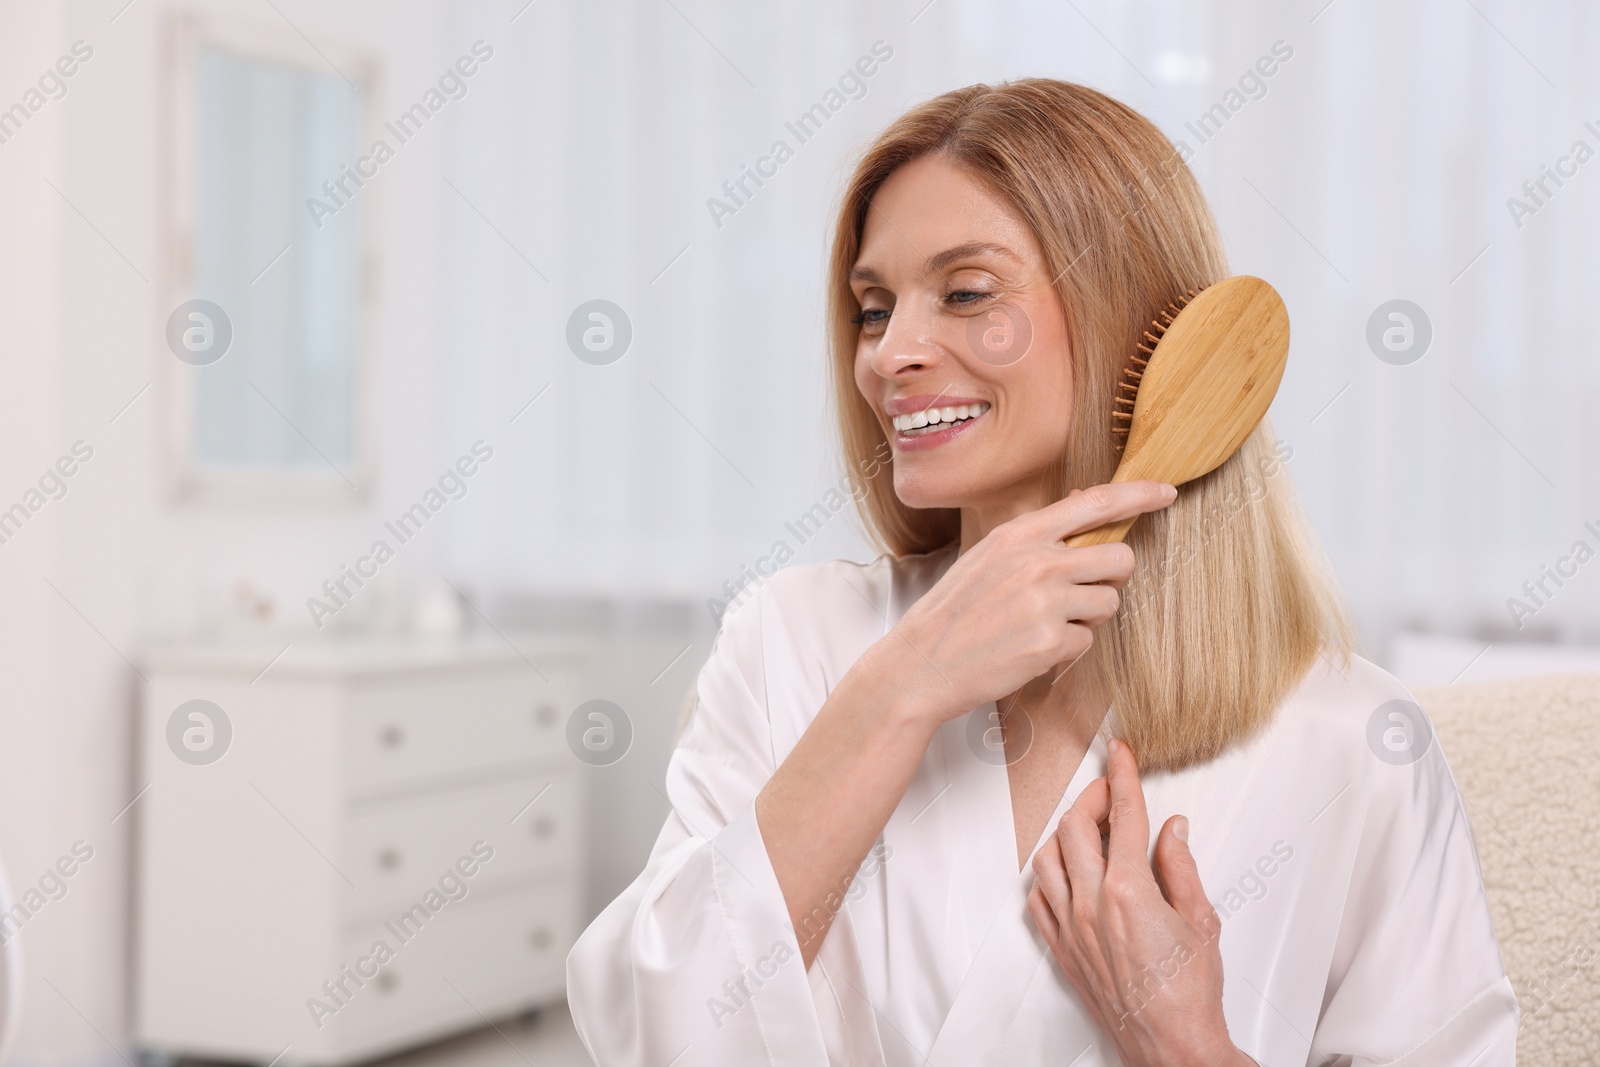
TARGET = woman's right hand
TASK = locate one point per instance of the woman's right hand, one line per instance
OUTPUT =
(1015, 605)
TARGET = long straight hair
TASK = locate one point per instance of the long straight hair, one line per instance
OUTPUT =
(1230, 601)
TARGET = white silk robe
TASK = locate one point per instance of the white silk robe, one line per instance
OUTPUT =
(1355, 927)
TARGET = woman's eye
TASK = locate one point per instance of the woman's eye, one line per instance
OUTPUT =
(966, 297)
(870, 319)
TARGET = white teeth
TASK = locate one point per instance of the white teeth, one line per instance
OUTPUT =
(935, 417)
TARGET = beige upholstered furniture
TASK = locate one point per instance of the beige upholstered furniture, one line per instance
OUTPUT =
(1526, 754)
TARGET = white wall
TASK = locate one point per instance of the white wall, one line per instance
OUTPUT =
(35, 748)
(82, 337)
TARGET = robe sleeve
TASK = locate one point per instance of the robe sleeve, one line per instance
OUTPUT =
(696, 961)
(1416, 975)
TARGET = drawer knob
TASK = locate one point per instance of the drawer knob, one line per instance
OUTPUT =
(539, 938)
(546, 715)
(392, 737)
(544, 826)
(388, 981)
(389, 859)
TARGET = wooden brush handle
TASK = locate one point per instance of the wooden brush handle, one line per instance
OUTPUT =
(1102, 535)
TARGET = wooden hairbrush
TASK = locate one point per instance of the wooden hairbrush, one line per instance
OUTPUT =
(1204, 375)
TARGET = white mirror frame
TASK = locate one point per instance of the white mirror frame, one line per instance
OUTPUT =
(188, 483)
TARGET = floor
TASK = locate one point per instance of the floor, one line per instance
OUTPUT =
(544, 1040)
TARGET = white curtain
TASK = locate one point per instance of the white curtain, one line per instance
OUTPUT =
(1374, 164)
(1383, 172)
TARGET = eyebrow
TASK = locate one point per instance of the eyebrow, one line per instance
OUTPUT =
(940, 260)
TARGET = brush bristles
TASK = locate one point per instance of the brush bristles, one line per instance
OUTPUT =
(1128, 388)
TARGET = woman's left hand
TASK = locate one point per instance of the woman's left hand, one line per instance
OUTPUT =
(1146, 962)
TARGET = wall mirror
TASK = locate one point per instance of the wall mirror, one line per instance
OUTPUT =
(267, 299)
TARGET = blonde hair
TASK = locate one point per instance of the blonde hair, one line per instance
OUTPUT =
(1229, 602)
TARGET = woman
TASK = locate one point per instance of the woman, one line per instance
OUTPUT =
(837, 883)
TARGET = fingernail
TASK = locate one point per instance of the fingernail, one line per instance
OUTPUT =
(1180, 829)
(1169, 491)
(1111, 746)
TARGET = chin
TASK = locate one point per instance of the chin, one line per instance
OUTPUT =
(928, 489)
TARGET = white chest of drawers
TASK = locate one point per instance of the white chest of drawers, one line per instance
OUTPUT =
(387, 850)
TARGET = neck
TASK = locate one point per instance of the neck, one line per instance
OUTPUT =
(1070, 699)
(980, 518)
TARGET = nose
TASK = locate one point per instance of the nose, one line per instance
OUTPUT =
(908, 346)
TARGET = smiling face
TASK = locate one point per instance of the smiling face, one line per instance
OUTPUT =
(963, 351)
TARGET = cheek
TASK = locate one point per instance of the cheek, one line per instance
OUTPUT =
(867, 382)
(861, 369)
(1041, 421)
(1053, 370)
(1039, 387)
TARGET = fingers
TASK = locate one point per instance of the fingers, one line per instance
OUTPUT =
(1130, 823)
(1044, 918)
(1050, 876)
(1090, 605)
(1180, 877)
(1095, 802)
(1109, 564)
(1087, 509)
(1086, 582)
(1078, 835)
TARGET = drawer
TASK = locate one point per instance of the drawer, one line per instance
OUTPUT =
(399, 733)
(482, 957)
(395, 850)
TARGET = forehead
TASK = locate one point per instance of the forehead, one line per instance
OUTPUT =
(932, 205)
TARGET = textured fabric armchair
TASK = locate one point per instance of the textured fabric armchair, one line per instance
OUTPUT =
(1526, 755)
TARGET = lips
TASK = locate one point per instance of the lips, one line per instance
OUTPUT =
(902, 405)
(924, 422)
(931, 418)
